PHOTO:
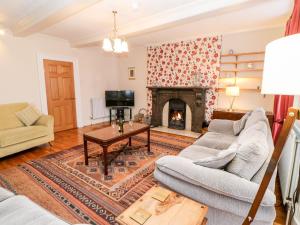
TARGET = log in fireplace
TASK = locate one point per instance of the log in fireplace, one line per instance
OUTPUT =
(177, 114)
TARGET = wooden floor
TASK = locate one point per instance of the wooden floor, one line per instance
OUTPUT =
(70, 138)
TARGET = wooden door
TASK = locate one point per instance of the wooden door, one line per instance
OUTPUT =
(60, 90)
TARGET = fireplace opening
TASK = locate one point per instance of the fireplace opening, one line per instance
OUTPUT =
(177, 114)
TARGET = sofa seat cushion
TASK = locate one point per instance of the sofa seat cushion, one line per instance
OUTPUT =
(216, 140)
(20, 210)
(21, 134)
(197, 152)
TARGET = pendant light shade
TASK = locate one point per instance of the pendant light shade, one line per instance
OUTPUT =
(124, 46)
(107, 46)
(115, 44)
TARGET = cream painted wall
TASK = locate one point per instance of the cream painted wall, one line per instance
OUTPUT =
(249, 42)
(19, 80)
(239, 42)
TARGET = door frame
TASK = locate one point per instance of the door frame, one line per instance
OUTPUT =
(42, 82)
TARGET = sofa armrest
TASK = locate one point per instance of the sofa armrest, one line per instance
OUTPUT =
(221, 126)
(5, 194)
(45, 120)
(215, 180)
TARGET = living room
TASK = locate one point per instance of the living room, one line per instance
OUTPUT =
(149, 112)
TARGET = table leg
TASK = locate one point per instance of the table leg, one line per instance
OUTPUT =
(129, 143)
(148, 144)
(105, 159)
(86, 157)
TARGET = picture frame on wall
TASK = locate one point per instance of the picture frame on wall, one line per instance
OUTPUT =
(131, 73)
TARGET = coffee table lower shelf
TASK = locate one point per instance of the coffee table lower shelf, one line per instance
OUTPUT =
(175, 210)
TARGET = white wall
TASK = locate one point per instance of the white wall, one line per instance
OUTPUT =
(19, 79)
(251, 41)
(136, 58)
(240, 42)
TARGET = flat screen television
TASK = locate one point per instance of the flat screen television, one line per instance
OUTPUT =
(119, 98)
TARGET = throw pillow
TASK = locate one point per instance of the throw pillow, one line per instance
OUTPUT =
(239, 125)
(29, 115)
(257, 115)
(220, 160)
(250, 156)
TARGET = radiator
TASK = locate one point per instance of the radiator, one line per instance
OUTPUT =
(288, 168)
(98, 108)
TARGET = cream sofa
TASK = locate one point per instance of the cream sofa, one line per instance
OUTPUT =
(227, 195)
(16, 137)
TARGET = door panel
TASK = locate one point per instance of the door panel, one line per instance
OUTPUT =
(59, 79)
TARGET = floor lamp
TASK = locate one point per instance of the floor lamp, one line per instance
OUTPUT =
(281, 76)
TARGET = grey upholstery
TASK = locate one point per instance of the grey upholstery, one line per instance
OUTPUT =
(227, 195)
(216, 140)
(20, 210)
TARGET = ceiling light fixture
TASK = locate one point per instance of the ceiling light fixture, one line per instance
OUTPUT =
(115, 44)
(2, 30)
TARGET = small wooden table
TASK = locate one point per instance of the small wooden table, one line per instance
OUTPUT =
(109, 135)
(175, 210)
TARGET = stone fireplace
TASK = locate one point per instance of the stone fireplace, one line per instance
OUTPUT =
(179, 97)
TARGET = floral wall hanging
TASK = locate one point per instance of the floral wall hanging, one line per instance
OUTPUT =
(186, 63)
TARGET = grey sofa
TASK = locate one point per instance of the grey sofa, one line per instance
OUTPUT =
(20, 210)
(227, 195)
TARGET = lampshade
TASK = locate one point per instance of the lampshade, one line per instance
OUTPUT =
(124, 46)
(117, 45)
(232, 91)
(281, 73)
(107, 46)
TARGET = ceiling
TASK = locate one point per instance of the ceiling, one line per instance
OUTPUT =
(87, 22)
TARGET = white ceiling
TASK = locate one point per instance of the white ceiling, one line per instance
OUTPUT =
(11, 11)
(87, 22)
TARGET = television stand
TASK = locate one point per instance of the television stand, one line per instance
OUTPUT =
(120, 112)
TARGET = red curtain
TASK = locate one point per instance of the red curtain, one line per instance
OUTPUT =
(283, 102)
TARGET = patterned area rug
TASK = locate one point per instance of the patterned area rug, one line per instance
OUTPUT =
(77, 193)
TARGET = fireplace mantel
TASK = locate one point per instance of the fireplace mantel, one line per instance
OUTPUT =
(194, 97)
(180, 87)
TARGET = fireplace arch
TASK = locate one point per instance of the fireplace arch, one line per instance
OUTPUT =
(194, 97)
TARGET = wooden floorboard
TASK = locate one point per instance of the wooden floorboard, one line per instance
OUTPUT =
(71, 138)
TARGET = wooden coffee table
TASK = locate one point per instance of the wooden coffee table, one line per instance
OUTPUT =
(175, 210)
(109, 135)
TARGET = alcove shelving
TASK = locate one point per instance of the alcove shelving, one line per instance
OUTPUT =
(243, 69)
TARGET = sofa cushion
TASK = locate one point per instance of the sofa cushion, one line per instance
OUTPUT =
(21, 210)
(216, 140)
(194, 152)
(220, 160)
(239, 125)
(21, 134)
(29, 115)
(252, 152)
(256, 115)
(5, 194)
(8, 118)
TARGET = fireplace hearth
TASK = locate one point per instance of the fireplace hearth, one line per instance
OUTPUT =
(177, 113)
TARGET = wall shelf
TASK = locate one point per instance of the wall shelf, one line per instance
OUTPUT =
(243, 62)
(242, 54)
(241, 70)
(239, 63)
